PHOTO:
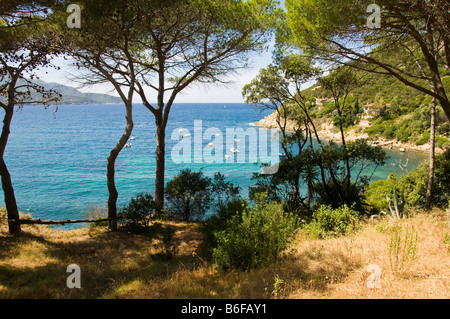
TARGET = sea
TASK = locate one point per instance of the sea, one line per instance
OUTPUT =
(57, 155)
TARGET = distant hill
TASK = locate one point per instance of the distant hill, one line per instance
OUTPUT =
(71, 95)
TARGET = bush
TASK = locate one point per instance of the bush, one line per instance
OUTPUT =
(424, 139)
(137, 214)
(255, 238)
(442, 142)
(335, 194)
(219, 221)
(415, 183)
(378, 190)
(329, 222)
(188, 195)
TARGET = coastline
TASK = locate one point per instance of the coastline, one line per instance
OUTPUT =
(327, 131)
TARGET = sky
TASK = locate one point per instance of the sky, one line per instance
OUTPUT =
(195, 93)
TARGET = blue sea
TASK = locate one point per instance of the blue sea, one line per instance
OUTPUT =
(57, 158)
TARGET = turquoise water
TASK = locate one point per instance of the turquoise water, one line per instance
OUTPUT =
(57, 160)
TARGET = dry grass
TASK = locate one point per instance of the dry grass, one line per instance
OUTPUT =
(123, 265)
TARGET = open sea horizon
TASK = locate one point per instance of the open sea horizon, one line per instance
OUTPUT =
(57, 159)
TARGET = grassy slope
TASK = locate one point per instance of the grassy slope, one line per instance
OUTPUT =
(123, 265)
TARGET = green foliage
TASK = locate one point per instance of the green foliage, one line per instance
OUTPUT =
(377, 192)
(319, 176)
(220, 219)
(413, 186)
(442, 142)
(424, 139)
(444, 129)
(223, 191)
(188, 195)
(277, 283)
(136, 215)
(329, 222)
(254, 239)
(447, 240)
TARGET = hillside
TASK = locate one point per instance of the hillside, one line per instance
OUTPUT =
(71, 95)
(382, 109)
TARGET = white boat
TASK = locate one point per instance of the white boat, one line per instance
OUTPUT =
(211, 144)
(402, 150)
(132, 138)
(237, 140)
(186, 135)
(217, 134)
(128, 145)
(234, 150)
(180, 130)
(227, 156)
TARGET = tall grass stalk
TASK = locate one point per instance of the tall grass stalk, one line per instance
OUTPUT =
(402, 248)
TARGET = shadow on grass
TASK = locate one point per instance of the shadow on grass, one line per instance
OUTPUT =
(33, 264)
(140, 265)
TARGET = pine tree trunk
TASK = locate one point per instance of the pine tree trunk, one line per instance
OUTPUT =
(8, 190)
(110, 169)
(160, 166)
(429, 195)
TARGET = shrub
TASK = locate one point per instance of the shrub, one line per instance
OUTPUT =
(219, 221)
(444, 129)
(442, 142)
(329, 222)
(137, 214)
(378, 190)
(254, 239)
(424, 139)
(223, 191)
(336, 194)
(415, 183)
(188, 195)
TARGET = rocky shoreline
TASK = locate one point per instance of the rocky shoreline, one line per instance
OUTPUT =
(328, 131)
